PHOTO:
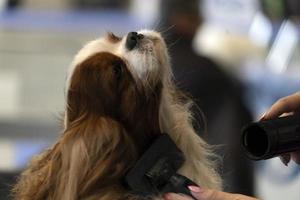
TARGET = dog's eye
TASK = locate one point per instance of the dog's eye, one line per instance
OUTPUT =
(118, 70)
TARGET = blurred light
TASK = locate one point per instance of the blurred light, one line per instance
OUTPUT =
(283, 48)
(232, 15)
(10, 93)
(7, 155)
(260, 30)
(276, 181)
(15, 154)
(145, 10)
(2, 5)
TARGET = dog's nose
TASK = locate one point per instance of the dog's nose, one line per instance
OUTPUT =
(132, 40)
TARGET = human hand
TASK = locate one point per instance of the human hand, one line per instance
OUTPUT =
(206, 194)
(285, 106)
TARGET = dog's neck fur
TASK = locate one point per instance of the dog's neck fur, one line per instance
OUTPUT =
(176, 120)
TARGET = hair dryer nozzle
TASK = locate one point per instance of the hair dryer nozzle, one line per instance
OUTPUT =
(270, 138)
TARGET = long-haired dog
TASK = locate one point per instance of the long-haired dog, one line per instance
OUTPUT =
(120, 96)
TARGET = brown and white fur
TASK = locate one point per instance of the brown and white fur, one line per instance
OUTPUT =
(117, 101)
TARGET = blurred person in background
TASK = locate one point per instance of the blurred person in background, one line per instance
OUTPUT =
(9, 4)
(215, 92)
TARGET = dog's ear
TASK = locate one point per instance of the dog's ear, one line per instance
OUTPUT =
(94, 155)
(90, 158)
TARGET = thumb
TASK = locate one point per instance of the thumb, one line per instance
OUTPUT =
(207, 194)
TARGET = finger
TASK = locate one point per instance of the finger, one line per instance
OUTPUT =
(173, 196)
(296, 157)
(285, 159)
(206, 194)
(284, 105)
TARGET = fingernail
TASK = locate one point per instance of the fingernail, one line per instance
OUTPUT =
(263, 116)
(194, 188)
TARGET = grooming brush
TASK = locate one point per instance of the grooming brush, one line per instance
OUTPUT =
(155, 173)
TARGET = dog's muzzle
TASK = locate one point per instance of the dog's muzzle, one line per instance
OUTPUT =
(133, 39)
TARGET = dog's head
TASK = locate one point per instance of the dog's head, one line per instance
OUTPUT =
(121, 79)
(143, 54)
(113, 91)
(114, 88)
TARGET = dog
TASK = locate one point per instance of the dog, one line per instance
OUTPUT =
(120, 96)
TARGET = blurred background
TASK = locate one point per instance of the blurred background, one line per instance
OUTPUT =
(234, 57)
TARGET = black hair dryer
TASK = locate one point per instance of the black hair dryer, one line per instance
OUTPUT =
(270, 138)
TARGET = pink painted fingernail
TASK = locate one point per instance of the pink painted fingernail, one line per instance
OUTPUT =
(194, 188)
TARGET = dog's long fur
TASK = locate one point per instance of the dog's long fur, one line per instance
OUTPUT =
(117, 102)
